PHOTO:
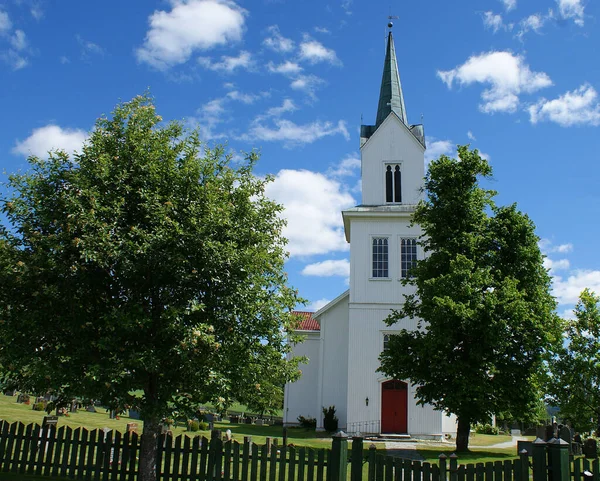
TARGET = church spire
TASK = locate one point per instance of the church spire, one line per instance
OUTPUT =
(390, 95)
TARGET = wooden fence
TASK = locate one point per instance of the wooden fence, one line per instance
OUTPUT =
(111, 456)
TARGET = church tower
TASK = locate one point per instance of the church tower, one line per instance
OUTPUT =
(350, 334)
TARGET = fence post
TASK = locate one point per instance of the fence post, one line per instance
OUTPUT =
(540, 467)
(558, 450)
(442, 458)
(453, 467)
(337, 464)
(357, 458)
(524, 456)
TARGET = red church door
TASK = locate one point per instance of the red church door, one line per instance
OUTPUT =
(394, 412)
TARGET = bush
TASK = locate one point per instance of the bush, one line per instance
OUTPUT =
(203, 426)
(308, 423)
(486, 429)
(193, 425)
(330, 420)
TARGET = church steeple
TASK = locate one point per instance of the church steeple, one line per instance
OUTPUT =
(390, 94)
(391, 98)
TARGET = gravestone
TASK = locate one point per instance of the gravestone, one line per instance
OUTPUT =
(133, 414)
(260, 422)
(132, 427)
(228, 435)
(91, 408)
(565, 435)
(590, 448)
(540, 432)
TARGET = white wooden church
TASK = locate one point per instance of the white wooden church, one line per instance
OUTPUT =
(343, 340)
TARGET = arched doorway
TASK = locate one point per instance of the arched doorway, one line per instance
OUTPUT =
(394, 407)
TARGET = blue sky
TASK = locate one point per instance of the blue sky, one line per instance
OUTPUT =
(518, 80)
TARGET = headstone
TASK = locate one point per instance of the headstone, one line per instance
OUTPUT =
(540, 432)
(234, 419)
(525, 445)
(10, 392)
(259, 422)
(248, 420)
(565, 435)
(134, 414)
(132, 427)
(228, 435)
(74, 406)
(48, 421)
(91, 408)
(590, 448)
(112, 414)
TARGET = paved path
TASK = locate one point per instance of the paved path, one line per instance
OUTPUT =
(408, 450)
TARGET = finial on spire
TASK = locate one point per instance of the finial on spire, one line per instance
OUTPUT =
(390, 18)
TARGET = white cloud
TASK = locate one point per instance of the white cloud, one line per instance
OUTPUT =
(470, 135)
(492, 21)
(228, 64)
(328, 268)
(314, 52)
(347, 167)
(5, 23)
(556, 265)
(312, 204)
(14, 59)
(36, 11)
(307, 84)
(567, 290)
(507, 74)
(278, 42)
(437, 148)
(318, 304)
(571, 9)
(509, 4)
(578, 107)
(286, 106)
(285, 68)
(50, 137)
(292, 134)
(18, 40)
(322, 30)
(242, 97)
(190, 26)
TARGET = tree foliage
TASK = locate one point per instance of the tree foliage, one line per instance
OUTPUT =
(146, 263)
(574, 381)
(481, 297)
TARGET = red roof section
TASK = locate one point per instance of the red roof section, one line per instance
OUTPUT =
(307, 323)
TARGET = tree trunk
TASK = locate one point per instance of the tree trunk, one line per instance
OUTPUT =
(149, 450)
(462, 435)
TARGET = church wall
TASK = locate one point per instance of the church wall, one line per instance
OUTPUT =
(449, 424)
(363, 288)
(365, 344)
(334, 388)
(300, 396)
(391, 142)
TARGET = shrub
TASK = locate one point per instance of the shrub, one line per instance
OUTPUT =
(330, 420)
(308, 423)
(203, 426)
(40, 406)
(193, 425)
(486, 429)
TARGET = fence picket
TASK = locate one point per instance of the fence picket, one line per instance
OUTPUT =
(398, 469)
(282, 462)
(204, 459)
(186, 458)
(106, 449)
(133, 450)
(15, 458)
(498, 469)
(51, 444)
(406, 468)
(8, 453)
(116, 456)
(26, 449)
(59, 446)
(301, 463)
(596, 470)
(389, 469)
(272, 464)
(427, 472)
(310, 472)
(3, 439)
(245, 460)
(291, 464)
(461, 472)
(176, 455)
(167, 450)
(509, 470)
(236, 461)
(254, 463)
(379, 467)
(479, 472)
(91, 451)
(470, 472)
(194, 473)
(320, 464)
(489, 471)
(227, 461)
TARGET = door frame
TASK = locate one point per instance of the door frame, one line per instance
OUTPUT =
(381, 390)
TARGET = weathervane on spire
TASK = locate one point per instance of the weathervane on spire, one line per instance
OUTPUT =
(390, 18)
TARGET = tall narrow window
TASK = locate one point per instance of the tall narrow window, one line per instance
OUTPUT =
(397, 185)
(408, 256)
(393, 184)
(389, 186)
(380, 257)
(386, 340)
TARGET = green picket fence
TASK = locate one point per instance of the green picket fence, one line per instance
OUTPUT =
(111, 456)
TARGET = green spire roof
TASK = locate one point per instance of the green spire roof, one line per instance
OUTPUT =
(390, 95)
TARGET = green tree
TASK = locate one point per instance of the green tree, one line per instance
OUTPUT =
(146, 263)
(574, 381)
(481, 297)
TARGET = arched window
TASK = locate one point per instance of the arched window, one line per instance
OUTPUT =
(386, 340)
(393, 184)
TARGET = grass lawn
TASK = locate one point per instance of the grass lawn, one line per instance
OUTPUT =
(475, 455)
(12, 411)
